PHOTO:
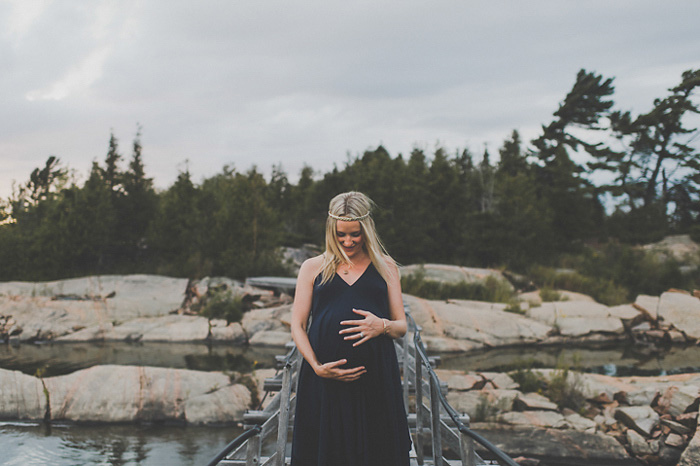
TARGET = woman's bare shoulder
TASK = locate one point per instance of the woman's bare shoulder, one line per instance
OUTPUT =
(311, 266)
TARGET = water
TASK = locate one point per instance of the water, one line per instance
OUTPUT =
(35, 444)
(29, 444)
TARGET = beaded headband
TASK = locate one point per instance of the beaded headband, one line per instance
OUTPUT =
(348, 219)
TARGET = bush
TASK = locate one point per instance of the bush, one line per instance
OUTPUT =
(492, 290)
(221, 303)
(527, 380)
(564, 389)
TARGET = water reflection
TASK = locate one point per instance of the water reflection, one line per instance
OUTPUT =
(617, 361)
(29, 444)
(64, 358)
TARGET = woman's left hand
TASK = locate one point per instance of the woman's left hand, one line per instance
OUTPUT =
(364, 329)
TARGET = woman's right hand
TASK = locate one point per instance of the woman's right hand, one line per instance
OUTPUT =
(332, 370)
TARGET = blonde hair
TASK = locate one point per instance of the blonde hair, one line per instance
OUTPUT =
(353, 206)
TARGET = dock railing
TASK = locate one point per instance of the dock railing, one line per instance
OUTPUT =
(441, 436)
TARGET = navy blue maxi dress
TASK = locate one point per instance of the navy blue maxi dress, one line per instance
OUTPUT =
(360, 423)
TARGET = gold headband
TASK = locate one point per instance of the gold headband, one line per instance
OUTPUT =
(348, 219)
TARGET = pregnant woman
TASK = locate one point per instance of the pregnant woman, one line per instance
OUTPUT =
(350, 410)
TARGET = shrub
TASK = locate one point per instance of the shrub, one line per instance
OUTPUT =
(492, 290)
(221, 303)
(528, 380)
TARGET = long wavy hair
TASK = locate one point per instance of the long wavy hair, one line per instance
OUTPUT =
(350, 205)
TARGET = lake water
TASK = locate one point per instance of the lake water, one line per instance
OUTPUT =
(29, 444)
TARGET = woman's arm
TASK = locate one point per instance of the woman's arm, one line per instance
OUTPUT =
(396, 327)
(301, 309)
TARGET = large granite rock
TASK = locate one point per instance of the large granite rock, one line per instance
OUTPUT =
(691, 455)
(682, 311)
(563, 445)
(487, 323)
(48, 310)
(135, 393)
(456, 274)
(577, 318)
(21, 396)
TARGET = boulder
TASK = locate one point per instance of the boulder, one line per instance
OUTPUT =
(21, 396)
(677, 399)
(643, 419)
(533, 401)
(499, 380)
(456, 274)
(567, 446)
(682, 311)
(223, 405)
(577, 318)
(266, 319)
(48, 310)
(166, 328)
(449, 345)
(270, 338)
(639, 445)
(134, 393)
(487, 323)
(221, 331)
(691, 455)
(538, 419)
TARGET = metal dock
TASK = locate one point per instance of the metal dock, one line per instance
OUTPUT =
(441, 436)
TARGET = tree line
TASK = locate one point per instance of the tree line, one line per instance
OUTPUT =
(595, 176)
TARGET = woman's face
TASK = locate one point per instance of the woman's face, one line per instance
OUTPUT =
(350, 238)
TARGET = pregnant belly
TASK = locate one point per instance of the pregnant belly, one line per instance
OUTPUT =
(330, 346)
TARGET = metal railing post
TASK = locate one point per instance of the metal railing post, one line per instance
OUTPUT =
(435, 421)
(283, 425)
(419, 409)
(466, 446)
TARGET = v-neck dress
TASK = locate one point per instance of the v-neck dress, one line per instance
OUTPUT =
(360, 423)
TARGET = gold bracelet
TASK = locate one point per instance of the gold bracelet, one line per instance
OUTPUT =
(385, 326)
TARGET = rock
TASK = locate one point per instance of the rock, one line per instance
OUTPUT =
(533, 401)
(448, 345)
(639, 444)
(567, 446)
(487, 323)
(500, 380)
(21, 396)
(133, 393)
(674, 440)
(677, 399)
(456, 274)
(533, 419)
(224, 405)
(681, 248)
(691, 455)
(676, 427)
(643, 419)
(466, 402)
(577, 318)
(425, 316)
(463, 382)
(258, 320)
(578, 422)
(259, 376)
(682, 311)
(49, 310)
(233, 332)
(171, 328)
(271, 338)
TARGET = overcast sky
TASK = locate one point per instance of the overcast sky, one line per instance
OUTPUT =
(290, 82)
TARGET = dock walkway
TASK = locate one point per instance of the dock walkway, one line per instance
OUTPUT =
(441, 436)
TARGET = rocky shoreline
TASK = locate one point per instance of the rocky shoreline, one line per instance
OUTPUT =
(638, 420)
